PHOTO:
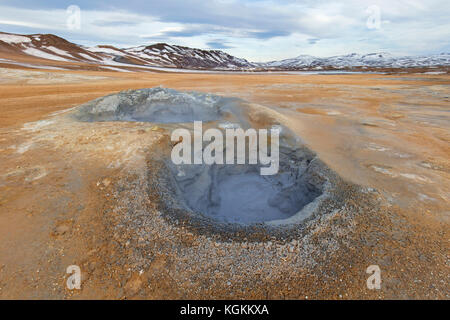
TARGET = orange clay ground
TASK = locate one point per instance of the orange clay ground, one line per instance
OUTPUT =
(59, 180)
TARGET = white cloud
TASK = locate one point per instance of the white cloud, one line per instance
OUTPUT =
(256, 30)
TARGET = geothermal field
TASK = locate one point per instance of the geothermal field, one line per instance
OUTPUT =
(86, 179)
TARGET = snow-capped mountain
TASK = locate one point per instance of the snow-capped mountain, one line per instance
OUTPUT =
(45, 46)
(165, 55)
(183, 57)
(51, 47)
(300, 61)
(49, 50)
(374, 60)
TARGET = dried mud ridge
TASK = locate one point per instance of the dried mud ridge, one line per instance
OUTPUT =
(227, 202)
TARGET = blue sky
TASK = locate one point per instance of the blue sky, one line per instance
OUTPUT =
(252, 29)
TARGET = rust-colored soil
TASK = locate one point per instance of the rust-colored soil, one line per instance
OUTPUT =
(59, 181)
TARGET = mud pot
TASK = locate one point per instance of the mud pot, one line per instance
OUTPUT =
(224, 198)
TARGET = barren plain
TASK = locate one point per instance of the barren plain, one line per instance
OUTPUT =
(77, 193)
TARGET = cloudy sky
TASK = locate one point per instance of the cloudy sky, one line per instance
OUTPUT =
(258, 30)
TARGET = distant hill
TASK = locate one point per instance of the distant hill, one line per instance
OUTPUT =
(51, 50)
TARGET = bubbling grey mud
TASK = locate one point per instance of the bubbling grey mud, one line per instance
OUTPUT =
(240, 194)
(222, 197)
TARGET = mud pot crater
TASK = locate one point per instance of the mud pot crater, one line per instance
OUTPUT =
(223, 199)
(240, 194)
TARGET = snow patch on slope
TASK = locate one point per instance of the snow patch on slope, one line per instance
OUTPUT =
(11, 38)
(59, 51)
(41, 54)
(106, 50)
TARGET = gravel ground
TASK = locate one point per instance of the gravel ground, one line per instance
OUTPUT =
(84, 193)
